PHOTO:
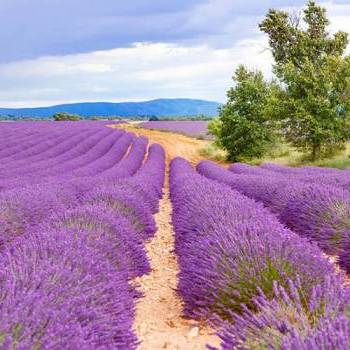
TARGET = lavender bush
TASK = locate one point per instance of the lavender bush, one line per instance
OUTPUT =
(110, 232)
(319, 213)
(197, 129)
(76, 205)
(309, 174)
(230, 248)
(57, 293)
(331, 334)
(127, 204)
(285, 322)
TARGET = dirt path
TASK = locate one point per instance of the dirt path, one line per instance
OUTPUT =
(174, 144)
(159, 323)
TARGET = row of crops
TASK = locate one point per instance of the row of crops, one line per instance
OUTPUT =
(76, 206)
(194, 128)
(254, 246)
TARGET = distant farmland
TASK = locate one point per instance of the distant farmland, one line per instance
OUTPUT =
(198, 129)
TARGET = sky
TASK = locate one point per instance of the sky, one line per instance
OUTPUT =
(63, 51)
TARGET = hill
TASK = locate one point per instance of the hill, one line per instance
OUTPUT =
(159, 107)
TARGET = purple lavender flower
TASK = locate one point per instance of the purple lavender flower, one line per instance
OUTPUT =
(230, 248)
(317, 212)
(290, 322)
(110, 232)
(56, 292)
(76, 203)
(187, 127)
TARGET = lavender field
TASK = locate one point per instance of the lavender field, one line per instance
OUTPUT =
(198, 129)
(263, 253)
(76, 205)
(254, 247)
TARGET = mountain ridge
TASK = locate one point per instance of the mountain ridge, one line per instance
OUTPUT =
(157, 107)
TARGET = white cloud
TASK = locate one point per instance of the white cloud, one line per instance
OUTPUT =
(339, 16)
(151, 70)
(143, 71)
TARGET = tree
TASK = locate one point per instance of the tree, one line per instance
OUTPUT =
(244, 128)
(314, 99)
(62, 116)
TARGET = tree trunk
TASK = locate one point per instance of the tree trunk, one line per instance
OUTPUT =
(316, 148)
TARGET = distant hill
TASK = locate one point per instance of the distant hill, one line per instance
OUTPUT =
(159, 107)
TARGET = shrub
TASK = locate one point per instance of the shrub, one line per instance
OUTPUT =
(62, 116)
(230, 247)
(285, 321)
(110, 233)
(319, 213)
(127, 204)
(57, 291)
(331, 334)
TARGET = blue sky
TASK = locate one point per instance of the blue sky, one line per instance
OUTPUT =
(57, 51)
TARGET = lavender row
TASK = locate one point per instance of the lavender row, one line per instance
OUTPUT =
(96, 159)
(8, 131)
(190, 128)
(86, 234)
(36, 145)
(59, 293)
(264, 285)
(24, 208)
(302, 170)
(109, 159)
(229, 247)
(114, 238)
(19, 150)
(39, 151)
(308, 174)
(70, 150)
(38, 134)
(317, 212)
(102, 161)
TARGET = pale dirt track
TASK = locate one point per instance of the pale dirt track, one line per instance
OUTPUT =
(174, 144)
(159, 323)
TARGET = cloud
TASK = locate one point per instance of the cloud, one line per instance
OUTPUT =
(141, 72)
(186, 48)
(339, 13)
(34, 28)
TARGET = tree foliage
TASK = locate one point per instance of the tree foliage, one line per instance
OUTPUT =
(310, 98)
(244, 128)
(62, 116)
(314, 73)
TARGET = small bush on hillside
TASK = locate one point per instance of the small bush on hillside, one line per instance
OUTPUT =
(62, 116)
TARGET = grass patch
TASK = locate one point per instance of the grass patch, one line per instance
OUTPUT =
(285, 154)
(213, 152)
(340, 162)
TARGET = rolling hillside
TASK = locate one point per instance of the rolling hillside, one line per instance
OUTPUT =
(159, 107)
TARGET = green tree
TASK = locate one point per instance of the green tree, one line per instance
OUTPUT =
(244, 128)
(62, 116)
(314, 100)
